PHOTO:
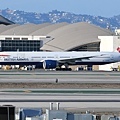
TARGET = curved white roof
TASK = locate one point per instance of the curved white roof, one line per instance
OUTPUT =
(15, 30)
(74, 35)
(44, 31)
(7, 27)
(66, 36)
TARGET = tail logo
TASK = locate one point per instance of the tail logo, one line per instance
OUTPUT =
(118, 49)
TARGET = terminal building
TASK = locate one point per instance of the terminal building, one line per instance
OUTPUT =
(81, 36)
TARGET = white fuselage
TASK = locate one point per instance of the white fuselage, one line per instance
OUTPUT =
(26, 58)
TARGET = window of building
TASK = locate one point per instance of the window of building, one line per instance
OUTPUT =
(8, 38)
(24, 38)
(16, 38)
(88, 47)
(22, 45)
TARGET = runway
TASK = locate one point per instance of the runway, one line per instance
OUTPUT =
(101, 102)
(30, 97)
(62, 77)
(103, 99)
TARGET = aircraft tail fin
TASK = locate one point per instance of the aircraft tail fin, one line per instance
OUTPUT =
(118, 49)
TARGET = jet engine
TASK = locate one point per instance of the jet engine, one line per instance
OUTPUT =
(50, 64)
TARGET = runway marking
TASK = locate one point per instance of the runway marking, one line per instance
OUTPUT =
(27, 91)
(65, 91)
(107, 74)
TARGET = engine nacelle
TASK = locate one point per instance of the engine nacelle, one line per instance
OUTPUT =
(50, 64)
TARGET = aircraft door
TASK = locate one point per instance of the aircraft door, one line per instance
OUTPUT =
(20, 55)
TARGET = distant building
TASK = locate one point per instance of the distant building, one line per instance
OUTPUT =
(5, 21)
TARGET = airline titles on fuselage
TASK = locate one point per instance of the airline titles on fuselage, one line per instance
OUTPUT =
(16, 59)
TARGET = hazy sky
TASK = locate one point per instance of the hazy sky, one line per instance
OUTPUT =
(105, 8)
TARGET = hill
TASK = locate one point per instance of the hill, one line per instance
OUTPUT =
(22, 17)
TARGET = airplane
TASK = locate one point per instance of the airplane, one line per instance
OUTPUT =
(52, 60)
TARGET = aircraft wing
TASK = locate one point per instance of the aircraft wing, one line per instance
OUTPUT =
(73, 60)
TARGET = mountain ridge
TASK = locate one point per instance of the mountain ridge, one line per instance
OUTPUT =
(55, 16)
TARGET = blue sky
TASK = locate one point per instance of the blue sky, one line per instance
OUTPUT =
(105, 8)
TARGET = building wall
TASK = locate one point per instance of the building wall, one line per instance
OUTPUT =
(20, 45)
(116, 42)
(42, 39)
(110, 44)
(20, 37)
(106, 43)
(117, 31)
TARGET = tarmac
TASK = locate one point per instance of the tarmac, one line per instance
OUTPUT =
(24, 88)
(59, 79)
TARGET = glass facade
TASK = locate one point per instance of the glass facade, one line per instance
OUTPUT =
(88, 47)
(20, 45)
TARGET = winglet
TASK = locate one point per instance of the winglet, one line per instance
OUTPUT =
(118, 49)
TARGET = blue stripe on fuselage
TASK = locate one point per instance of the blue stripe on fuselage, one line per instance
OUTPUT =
(41, 63)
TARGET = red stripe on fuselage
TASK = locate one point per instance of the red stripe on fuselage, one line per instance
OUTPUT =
(4, 55)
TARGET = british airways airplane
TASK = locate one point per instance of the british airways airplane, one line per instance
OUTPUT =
(51, 60)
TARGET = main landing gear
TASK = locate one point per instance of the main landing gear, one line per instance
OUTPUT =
(64, 67)
(89, 68)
